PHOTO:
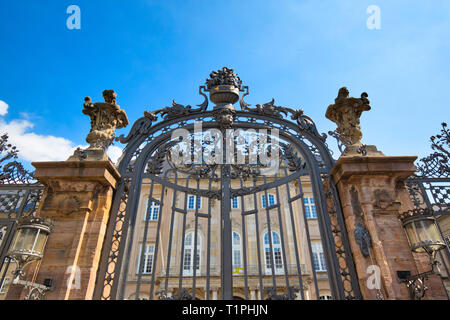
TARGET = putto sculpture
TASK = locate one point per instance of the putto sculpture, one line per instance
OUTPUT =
(106, 117)
(346, 112)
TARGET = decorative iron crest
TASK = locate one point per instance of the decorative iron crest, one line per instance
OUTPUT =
(270, 109)
(12, 172)
(291, 295)
(437, 164)
(223, 87)
(294, 161)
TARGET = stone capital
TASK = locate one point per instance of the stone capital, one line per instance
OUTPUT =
(351, 166)
(65, 172)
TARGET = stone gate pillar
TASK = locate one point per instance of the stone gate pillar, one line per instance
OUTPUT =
(77, 197)
(373, 196)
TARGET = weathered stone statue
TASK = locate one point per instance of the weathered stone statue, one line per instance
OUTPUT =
(106, 117)
(346, 112)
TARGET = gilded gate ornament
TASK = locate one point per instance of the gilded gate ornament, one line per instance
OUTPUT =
(106, 117)
(346, 113)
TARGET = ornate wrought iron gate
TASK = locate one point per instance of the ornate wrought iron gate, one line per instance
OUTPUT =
(201, 229)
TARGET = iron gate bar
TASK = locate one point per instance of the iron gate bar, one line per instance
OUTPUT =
(258, 244)
(155, 254)
(244, 241)
(227, 248)
(169, 250)
(327, 238)
(272, 264)
(194, 267)
(183, 235)
(294, 234)
(144, 240)
(286, 275)
(208, 250)
(308, 237)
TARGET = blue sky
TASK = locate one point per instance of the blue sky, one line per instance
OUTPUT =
(150, 52)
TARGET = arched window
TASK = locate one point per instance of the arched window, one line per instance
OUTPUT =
(276, 252)
(237, 256)
(188, 261)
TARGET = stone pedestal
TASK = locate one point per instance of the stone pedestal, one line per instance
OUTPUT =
(373, 194)
(77, 197)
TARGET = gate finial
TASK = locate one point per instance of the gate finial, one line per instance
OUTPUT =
(106, 117)
(346, 112)
(223, 87)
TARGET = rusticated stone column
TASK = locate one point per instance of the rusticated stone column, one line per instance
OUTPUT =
(373, 195)
(77, 197)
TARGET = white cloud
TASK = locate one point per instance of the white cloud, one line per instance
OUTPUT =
(3, 108)
(114, 153)
(36, 147)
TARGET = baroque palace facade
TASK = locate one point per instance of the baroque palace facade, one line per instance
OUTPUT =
(312, 266)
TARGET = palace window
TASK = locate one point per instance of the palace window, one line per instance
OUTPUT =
(318, 257)
(188, 263)
(147, 264)
(154, 211)
(192, 200)
(237, 257)
(276, 252)
(310, 208)
(235, 203)
(271, 200)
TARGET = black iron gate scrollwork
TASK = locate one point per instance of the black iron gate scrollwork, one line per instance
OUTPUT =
(185, 227)
(20, 194)
(429, 191)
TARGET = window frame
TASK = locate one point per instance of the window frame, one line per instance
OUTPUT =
(237, 203)
(317, 251)
(270, 196)
(236, 247)
(310, 208)
(152, 207)
(190, 272)
(276, 248)
(146, 258)
(197, 200)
